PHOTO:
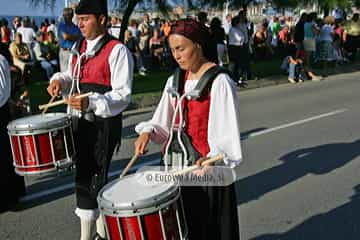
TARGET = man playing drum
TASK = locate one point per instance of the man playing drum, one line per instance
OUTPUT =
(107, 70)
(12, 185)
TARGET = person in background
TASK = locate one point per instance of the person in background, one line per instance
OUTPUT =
(68, 34)
(299, 32)
(217, 35)
(115, 27)
(16, 23)
(351, 37)
(275, 29)
(311, 30)
(27, 33)
(33, 25)
(145, 31)
(52, 28)
(53, 46)
(326, 48)
(202, 18)
(20, 53)
(108, 73)
(156, 45)
(227, 24)
(5, 32)
(132, 44)
(42, 52)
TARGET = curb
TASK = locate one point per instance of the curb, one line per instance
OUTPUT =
(148, 102)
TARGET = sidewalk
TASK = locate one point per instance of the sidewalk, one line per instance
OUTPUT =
(150, 100)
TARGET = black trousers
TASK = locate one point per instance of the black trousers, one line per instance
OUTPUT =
(12, 185)
(211, 212)
(95, 144)
(351, 45)
(239, 62)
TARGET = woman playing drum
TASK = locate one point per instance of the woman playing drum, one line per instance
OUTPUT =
(212, 125)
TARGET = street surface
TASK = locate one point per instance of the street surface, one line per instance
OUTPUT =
(299, 180)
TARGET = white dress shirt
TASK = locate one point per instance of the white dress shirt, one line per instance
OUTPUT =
(5, 80)
(238, 35)
(121, 68)
(223, 124)
(27, 33)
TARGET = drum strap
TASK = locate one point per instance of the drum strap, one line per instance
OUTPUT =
(202, 88)
(204, 84)
(98, 46)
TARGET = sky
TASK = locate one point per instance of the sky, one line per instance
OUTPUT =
(24, 8)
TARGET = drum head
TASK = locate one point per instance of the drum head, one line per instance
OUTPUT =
(39, 122)
(130, 192)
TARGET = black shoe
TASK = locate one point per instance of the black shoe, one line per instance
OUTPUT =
(241, 84)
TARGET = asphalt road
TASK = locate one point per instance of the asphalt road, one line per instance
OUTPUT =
(299, 179)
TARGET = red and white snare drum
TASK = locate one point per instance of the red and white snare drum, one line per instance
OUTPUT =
(41, 143)
(134, 211)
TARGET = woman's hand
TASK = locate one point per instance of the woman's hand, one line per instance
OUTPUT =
(203, 169)
(141, 143)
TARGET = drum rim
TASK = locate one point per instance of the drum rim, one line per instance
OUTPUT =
(115, 212)
(62, 121)
(167, 196)
(65, 163)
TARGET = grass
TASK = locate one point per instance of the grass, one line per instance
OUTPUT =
(151, 84)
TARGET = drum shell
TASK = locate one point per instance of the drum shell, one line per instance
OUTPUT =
(41, 148)
(144, 218)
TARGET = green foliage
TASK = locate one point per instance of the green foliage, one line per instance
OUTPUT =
(285, 3)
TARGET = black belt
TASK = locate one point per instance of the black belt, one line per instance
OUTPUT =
(66, 49)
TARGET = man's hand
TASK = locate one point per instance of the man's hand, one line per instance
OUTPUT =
(78, 103)
(54, 88)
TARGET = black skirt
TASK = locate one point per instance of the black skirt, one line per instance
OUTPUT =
(211, 212)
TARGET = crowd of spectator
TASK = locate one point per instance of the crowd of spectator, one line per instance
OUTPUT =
(301, 42)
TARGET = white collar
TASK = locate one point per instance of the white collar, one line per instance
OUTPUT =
(90, 44)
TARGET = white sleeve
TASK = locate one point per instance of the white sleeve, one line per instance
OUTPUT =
(160, 123)
(224, 121)
(115, 101)
(5, 81)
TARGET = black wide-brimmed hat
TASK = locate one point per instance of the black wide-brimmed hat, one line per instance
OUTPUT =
(92, 7)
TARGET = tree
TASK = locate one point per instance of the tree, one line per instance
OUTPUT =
(219, 3)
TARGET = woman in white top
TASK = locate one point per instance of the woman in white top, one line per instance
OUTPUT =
(212, 124)
(239, 49)
(327, 33)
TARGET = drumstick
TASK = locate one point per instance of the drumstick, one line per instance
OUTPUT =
(51, 100)
(57, 103)
(128, 166)
(193, 167)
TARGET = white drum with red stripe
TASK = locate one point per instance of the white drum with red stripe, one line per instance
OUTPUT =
(132, 210)
(41, 143)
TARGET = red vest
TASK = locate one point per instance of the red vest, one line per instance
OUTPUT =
(196, 115)
(96, 70)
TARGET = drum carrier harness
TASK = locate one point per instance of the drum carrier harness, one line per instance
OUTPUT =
(179, 151)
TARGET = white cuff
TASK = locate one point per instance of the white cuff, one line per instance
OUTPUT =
(92, 105)
(87, 214)
(144, 127)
